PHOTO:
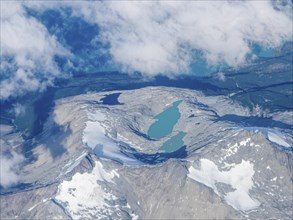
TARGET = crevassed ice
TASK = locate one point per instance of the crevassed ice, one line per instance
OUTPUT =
(239, 177)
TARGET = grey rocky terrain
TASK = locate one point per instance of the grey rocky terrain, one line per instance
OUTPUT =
(96, 161)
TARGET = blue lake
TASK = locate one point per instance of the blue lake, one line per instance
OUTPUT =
(263, 51)
(174, 143)
(111, 99)
(201, 68)
(165, 122)
(266, 52)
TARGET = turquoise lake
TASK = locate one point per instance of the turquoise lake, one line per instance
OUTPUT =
(174, 143)
(166, 120)
(266, 52)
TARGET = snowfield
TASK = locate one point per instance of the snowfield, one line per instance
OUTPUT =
(273, 137)
(239, 177)
(84, 197)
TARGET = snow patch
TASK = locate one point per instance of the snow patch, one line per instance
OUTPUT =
(83, 197)
(278, 139)
(94, 132)
(243, 143)
(132, 214)
(126, 140)
(34, 206)
(239, 177)
(230, 151)
(94, 137)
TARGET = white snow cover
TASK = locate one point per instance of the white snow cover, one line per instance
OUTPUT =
(273, 137)
(234, 148)
(94, 136)
(83, 197)
(244, 142)
(239, 177)
(94, 132)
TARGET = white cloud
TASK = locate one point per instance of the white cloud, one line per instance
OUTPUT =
(5, 129)
(220, 76)
(27, 52)
(159, 36)
(18, 109)
(10, 160)
(8, 168)
(153, 37)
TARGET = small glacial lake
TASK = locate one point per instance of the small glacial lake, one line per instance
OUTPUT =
(174, 143)
(111, 99)
(166, 120)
